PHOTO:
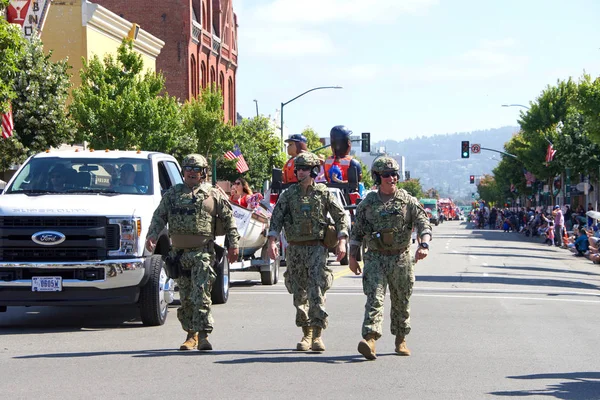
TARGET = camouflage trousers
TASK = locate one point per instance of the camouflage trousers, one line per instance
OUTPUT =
(307, 278)
(194, 291)
(379, 272)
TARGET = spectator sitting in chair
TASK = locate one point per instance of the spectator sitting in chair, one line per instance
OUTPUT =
(582, 243)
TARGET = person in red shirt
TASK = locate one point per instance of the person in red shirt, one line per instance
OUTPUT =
(296, 144)
(240, 192)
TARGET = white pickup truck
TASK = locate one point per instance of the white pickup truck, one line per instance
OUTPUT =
(73, 227)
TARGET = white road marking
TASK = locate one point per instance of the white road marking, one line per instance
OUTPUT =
(446, 296)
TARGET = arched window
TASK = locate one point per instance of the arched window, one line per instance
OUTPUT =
(193, 74)
(203, 74)
(213, 78)
(204, 17)
(231, 100)
(222, 87)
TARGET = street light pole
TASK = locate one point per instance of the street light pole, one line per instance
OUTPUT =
(300, 95)
(515, 105)
(256, 101)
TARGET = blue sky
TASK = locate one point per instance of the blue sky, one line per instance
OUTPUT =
(409, 67)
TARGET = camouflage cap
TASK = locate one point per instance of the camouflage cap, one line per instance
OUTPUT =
(307, 159)
(384, 163)
(195, 160)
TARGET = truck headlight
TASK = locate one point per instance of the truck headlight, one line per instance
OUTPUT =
(129, 235)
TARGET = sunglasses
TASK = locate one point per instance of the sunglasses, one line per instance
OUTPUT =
(188, 168)
(388, 174)
(237, 183)
(303, 168)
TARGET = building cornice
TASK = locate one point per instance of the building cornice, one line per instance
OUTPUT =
(110, 24)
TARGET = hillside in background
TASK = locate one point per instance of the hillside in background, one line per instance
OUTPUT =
(436, 161)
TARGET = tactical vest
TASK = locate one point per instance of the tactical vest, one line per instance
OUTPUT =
(391, 230)
(193, 213)
(306, 219)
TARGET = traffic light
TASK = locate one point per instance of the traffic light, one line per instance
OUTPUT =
(472, 195)
(366, 142)
(472, 179)
(465, 149)
(406, 175)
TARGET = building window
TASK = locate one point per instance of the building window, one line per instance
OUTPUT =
(222, 87)
(193, 76)
(215, 18)
(213, 78)
(204, 17)
(231, 99)
(203, 73)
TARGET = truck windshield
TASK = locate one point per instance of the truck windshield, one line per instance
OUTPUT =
(84, 175)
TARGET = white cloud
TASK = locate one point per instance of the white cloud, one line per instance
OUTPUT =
(278, 41)
(319, 11)
(489, 59)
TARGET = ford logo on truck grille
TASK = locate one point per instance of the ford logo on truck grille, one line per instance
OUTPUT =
(48, 238)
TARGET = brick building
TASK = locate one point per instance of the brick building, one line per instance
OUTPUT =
(200, 43)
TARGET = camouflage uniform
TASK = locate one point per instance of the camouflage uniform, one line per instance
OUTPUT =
(386, 230)
(304, 219)
(185, 210)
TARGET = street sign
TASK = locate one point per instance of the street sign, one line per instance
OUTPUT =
(475, 148)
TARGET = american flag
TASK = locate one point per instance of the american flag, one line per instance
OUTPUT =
(236, 154)
(550, 153)
(7, 124)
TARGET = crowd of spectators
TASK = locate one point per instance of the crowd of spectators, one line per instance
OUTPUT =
(575, 230)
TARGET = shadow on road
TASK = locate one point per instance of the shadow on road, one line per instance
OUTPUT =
(507, 281)
(573, 385)
(35, 320)
(544, 249)
(538, 269)
(272, 356)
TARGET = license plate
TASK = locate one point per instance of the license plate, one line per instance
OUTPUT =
(46, 284)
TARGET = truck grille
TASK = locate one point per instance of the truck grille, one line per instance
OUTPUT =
(87, 239)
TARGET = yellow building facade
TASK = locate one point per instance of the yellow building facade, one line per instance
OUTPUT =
(80, 29)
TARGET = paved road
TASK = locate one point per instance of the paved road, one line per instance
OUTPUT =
(495, 315)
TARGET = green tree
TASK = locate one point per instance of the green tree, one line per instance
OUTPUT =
(412, 186)
(488, 190)
(261, 148)
(203, 121)
(432, 193)
(588, 100)
(12, 46)
(314, 142)
(119, 106)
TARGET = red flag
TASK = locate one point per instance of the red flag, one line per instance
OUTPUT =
(236, 154)
(550, 153)
(7, 124)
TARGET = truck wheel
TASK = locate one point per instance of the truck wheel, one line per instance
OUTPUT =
(220, 289)
(270, 277)
(345, 260)
(153, 305)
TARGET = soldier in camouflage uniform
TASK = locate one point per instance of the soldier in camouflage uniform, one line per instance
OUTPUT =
(191, 209)
(302, 211)
(384, 221)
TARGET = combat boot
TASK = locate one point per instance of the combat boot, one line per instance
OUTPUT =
(203, 343)
(401, 346)
(366, 347)
(191, 341)
(306, 341)
(317, 341)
